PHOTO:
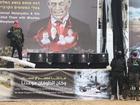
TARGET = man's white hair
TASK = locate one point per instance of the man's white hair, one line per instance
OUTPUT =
(69, 1)
(66, 0)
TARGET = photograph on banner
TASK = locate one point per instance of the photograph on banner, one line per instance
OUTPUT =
(92, 84)
(69, 28)
(134, 24)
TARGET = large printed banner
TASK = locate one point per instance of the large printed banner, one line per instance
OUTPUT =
(77, 32)
(54, 84)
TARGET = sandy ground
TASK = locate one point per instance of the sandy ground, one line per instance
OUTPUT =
(72, 102)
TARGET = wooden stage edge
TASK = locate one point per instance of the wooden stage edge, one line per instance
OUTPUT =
(72, 102)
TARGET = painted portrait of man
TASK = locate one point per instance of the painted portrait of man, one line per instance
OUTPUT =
(60, 31)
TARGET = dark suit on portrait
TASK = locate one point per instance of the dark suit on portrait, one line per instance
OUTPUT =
(85, 40)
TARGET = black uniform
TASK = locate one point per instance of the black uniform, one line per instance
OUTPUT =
(118, 71)
(16, 40)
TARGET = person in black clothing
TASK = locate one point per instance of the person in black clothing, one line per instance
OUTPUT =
(118, 71)
(16, 37)
(134, 71)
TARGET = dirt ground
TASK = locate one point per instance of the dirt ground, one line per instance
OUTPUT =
(72, 102)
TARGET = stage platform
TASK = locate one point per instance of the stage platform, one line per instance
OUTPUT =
(72, 102)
